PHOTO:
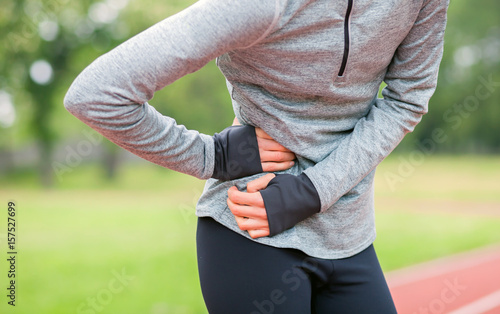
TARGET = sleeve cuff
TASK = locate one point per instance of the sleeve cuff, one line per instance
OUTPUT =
(236, 153)
(288, 200)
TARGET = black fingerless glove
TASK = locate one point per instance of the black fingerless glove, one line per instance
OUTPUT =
(236, 153)
(288, 200)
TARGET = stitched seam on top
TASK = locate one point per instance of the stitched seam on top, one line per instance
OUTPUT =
(277, 14)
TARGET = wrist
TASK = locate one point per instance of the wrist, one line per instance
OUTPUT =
(288, 200)
(236, 153)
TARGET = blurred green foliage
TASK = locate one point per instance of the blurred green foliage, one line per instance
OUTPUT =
(70, 35)
(464, 106)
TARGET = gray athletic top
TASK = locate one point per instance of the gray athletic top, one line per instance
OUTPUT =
(306, 72)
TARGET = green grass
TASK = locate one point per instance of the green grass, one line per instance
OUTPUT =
(74, 238)
(70, 242)
(406, 238)
(441, 206)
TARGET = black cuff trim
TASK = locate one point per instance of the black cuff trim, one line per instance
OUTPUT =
(236, 153)
(288, 200)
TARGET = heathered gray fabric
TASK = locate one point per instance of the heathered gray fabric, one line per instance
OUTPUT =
(281, 60)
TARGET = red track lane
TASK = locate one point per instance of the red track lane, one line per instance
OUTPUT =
(467, 283)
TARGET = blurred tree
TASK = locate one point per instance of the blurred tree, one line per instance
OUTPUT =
(41, 39)
(48, 43)
(465, 105)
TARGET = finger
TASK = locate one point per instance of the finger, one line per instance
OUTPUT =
(247, 211)
(236, 121)
(260, 183)
(260, 133)
(275, 156)
(244, 198)
(251, 224)
(259, 233)
(271, 144)
(276, 166)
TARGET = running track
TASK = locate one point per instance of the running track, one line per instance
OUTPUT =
(467, 283)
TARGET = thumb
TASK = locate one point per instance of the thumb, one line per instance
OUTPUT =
(260, 183)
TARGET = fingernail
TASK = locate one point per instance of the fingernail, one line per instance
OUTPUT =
(292, 163)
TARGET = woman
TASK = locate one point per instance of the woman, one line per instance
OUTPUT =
(305, 74)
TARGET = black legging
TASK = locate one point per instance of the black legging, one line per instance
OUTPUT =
(239, 275)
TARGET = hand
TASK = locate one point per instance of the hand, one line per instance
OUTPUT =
(248, 207)
(273, 155)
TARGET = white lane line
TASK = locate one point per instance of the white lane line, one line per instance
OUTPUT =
(482, 305)
(442, 266)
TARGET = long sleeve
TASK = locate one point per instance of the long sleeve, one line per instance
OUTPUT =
(111, 94)
(411, 80)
